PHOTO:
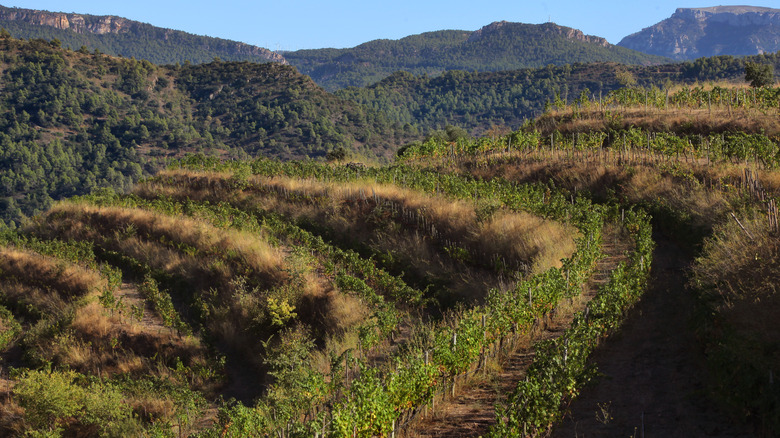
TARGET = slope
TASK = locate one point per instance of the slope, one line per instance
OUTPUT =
(477, 101)
(73, 121)
(497, 46)
(721, 30)
(122, 37)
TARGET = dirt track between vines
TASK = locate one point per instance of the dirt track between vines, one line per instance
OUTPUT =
(653, 369)
(652, 382)
(472, 411)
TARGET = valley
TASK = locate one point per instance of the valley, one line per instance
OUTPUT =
(424, 244)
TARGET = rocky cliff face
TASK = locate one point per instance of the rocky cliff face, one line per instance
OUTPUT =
(108, 24)
(721, 30)
(75, 22)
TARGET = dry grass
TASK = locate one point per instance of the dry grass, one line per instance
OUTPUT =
(738, 266)
(522, 236)
(67, 280)
(741, 274)
(93, 340)
(100, 342)
(41, 300)
(336, 205)
(680, 120)
(636, 183)
(140, 232)
(359, 212)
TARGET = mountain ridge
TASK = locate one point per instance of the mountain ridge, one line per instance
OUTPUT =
(105, 32)
(719, 30)
(500, 45)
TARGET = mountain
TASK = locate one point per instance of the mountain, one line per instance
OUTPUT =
(495, 47)
(122, 37)
(721, 30)
(72, 121)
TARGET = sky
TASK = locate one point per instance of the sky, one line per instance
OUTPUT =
(310, 24)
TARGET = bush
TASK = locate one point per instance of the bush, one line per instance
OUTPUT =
(54, 401)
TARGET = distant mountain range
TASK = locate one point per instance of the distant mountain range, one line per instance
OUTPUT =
(722, 30)
(688, 34)
(122, 37)
(495, 47)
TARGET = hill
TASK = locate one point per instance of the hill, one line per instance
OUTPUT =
(497, 46)
(477, 101)
(122, 37)
(541, 268)
(73, 121)
(721, 30)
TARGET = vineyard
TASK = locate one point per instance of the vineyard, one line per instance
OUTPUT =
(268, 298)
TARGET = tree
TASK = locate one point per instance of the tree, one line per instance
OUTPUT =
(339, 153)
(759, 75)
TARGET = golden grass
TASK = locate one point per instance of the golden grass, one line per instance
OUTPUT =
(42, 300)
(101, 342)
(138, 232)
(93, 340)
(522, 236)
(737, 265)
(336, 204)
(68, 280)
(683, 120)
(742, 275)
(635, 183)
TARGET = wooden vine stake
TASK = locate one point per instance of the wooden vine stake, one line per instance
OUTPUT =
(741, 226)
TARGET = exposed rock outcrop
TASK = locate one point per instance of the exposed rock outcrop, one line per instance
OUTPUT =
(721, 30)
(109, 24)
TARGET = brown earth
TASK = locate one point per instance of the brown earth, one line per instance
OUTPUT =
(472, 411)
(653, 382)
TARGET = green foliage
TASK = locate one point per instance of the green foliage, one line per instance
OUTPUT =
(73, 122)
(759, 75)
(369, 407)
(9, 327)
(54, 400)
(476, 100)
(281, 311)
(297, 388)
(560, 366)
(497, 47)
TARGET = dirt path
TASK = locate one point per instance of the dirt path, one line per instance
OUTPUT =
(473, 410)
(151, 321)
(652, 384)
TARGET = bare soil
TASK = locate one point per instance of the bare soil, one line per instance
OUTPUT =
(653, 382)
(472, 411)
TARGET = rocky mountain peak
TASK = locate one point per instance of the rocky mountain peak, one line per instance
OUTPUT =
(719, 30)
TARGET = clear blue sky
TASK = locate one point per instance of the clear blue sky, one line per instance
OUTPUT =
(304, 24)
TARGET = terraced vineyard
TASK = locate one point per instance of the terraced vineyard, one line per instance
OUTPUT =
(263, 298)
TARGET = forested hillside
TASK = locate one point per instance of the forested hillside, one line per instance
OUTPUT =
(122, 37)
(478, 101)
(507, 285)
(498, 46)
(73, 121)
